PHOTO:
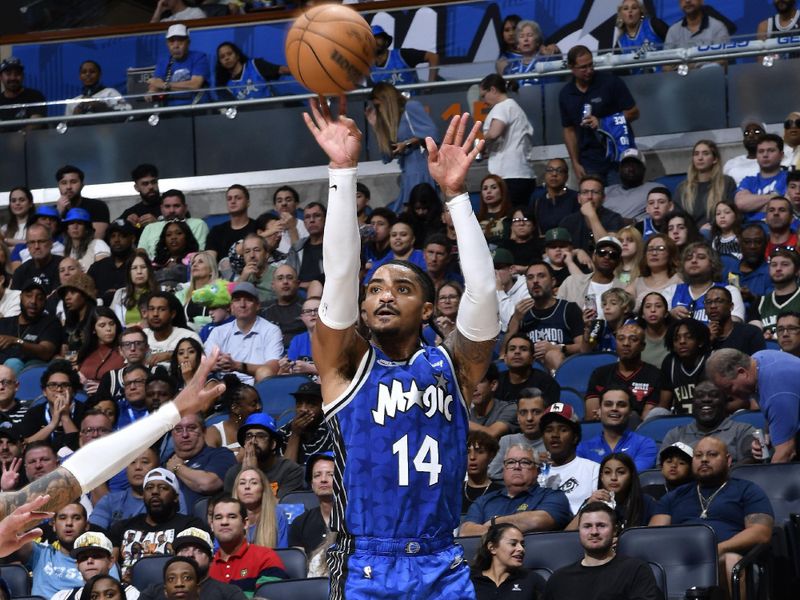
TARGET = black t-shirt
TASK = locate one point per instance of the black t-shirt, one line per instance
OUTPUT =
(142, 208)
(525, 253)
(645, 384)
(27, 96)
(287, 317)
(98, 211)
(681, 381)
(308, 530)
(223, 236)
(509, 392)
(559, 324)
(745, 337)
(107, 277)
(45, 329)
(47, 275)
(619, 579)
(581, 233)
(16, 413)
(311, 267)
(39, 416)
(521, 584)
(549, 213)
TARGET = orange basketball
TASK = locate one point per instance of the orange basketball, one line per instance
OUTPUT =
(330, 49)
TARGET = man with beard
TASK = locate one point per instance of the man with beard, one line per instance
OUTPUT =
(753, 269)
(554, 200)
(285, 311)
(628, 198)
(10, 445)
(12, 73)
(306, 434)
(138, 537)
(783, 22)
(602, 573)
(711, 419)
(109, 272)
(196, 544)
(173, 206)
(93, 554)
(162, 335)
(723, 331)
(554, 326)
(606, 258)
(779, 222)
(70, 180)
(257, 268)
(200, 468)
(43, 265)
(148, 209)
(697, 27)
(259, 437)
(791, 140)
(737, 510)
(521, 374)
(616, 407)
(305, 255)
(755, 191)
(743, 165)
(783, 268)
(593, 221)
(32, 335)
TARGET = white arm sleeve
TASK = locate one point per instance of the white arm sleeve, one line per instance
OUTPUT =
(341, 252)
(101, 459)
(478, 318)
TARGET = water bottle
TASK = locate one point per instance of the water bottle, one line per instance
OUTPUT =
(758, 434)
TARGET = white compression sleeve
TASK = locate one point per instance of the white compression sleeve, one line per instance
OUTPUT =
(104, 457)
(478, 314)
(341, 252)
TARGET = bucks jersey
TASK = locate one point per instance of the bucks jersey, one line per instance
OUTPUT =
(400, 438)
(769, 308)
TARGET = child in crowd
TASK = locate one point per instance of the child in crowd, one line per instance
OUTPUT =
(659, 205)
(726, 229)
(616, 303)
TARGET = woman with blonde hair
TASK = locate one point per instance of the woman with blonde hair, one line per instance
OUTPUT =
(202, 271)
(401, 126)
(705, 184)
(632, 250)
(266, 522)
(636, 29)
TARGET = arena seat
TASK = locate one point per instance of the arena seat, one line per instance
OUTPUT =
(30, 386)
(651, 477)
(307, 499)
(17, 578)
(686, 553)
(575, 371)
(781, 483)
(294, 559)
(149, 570)
(200, 509)
(275, 393)
(470, 544)
(575, 400)
(590, 429)
(313, 588)
(547, 551)
(216, 219)
(751, 417)
(657, 427)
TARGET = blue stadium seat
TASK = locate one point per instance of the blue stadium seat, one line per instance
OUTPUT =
(686, 553)
(657, 427)
(307, 499)
(575, 400)
(548, 551)
(286, 417)
(216, 418)
(651, 477)
(200, 509)
(670, 181)
(17, 578)
(313, 588)
(539, 366)
(216, 219)
(294, 559)
(751, 417)
(275, 393)
(590, 429)
(575, 371)
(147, 571)
(30, 387)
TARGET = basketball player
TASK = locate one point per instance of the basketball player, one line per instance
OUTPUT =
(396, 408)
(98, 461)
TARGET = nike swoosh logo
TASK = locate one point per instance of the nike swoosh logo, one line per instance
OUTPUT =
(334, 187)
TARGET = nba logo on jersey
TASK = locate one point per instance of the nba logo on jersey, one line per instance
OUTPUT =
(393, 398)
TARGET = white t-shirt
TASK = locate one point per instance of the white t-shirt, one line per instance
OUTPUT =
(511, 155)
(169, 344)
(598, 289)
(740, 167)
(286, 240)
(96, 247)
(577, 479)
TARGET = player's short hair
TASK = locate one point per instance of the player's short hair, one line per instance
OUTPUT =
(424, 280)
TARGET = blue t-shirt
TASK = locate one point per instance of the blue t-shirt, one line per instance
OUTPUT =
(553, 502)
(300, 347)
(695, 306)
(779, 393)
(52, 571)
(756, 184)
(215, 460)
(727, 511)
(640, 448)
(173, 71)
(757, 281)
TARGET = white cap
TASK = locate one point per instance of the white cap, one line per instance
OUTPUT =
(178, 30)
(159, 474)
(91, 540)
(635, 154)
(608, 240)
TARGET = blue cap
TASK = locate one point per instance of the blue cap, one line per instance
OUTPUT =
(76, 215)
(378, 30)
(312, 460)
(257, 421)
(47, 211)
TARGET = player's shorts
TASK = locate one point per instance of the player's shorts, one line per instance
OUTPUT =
(413, 569)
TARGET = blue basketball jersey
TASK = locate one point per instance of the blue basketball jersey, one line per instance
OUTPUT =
(396, 71)
(250, 84)
(696, 307)
(617, 135)
(645, 37)
(516, 67)
(400, 438)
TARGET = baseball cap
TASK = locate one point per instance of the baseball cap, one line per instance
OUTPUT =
(501, 256)
(34, 282)
(305, 390)
(12, 62)
(608, 240)
(677, 449)
(562, 412)
(75, 215)
(193, 536)
(178, 30)
(9, 431)
(635, 154)
(159, 474)
(257, 421)
(245, 287)
(314, 459)
(557, 234)
(378, 30)
(91, 540)
(121, 225)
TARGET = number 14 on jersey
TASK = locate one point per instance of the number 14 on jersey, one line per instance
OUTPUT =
(426, 460)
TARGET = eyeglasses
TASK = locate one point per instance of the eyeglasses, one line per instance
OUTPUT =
(520, 220)
(188, 429)
(779, 249)
(555, 170)
(787, 329)
(522, 463)
(606, 253)
(95, 430)
(789, 123)
(7, 382)
(54, 386)
(140, 344)
(256, 435)
(134, 382)
(309, 311)
(448, 298)
(656, 249)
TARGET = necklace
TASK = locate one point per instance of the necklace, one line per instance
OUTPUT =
(466, 491)
(705, 503)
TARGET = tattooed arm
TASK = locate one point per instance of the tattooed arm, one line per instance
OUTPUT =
(757, 530)
(60, 485)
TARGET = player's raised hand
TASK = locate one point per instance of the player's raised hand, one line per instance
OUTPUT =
(448, 164)
(197, 396)
(339, 137)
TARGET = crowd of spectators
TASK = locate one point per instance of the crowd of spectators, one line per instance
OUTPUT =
(686, 289)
